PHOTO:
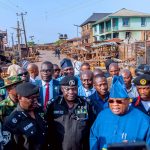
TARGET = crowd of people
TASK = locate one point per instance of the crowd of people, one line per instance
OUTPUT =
(54, 108)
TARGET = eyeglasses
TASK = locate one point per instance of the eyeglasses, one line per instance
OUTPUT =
(24, 73)
(48, 70)
(116, 101)
(56, 70)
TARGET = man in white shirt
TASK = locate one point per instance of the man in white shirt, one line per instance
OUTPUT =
(76, 65)
(131, 88)
(86, 89)
(33, 73)
(12, 69)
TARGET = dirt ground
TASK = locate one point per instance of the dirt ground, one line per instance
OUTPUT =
(46, 55)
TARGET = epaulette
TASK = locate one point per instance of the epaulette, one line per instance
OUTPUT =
(15, 118)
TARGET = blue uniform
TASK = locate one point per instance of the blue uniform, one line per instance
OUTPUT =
(103, 103)
(110, 128)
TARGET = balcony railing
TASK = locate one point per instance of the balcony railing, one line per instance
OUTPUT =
(115, 28)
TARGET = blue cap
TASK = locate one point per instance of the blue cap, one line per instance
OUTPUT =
(118, 88)
(66, 63)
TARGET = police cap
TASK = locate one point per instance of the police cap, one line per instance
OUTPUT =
(142, 80)
(27, 89)
(69, 81)
(66, 63)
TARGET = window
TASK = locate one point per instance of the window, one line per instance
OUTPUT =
(143, 21)
(95, 28)
(125, 21)
(95, 39)
(128, 35)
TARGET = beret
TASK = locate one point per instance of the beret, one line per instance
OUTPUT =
(142, 80)
(69, 81)
(27, 89)
(66, 63)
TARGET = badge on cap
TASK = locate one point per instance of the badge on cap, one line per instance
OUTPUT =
(143, 82)
(71, 82)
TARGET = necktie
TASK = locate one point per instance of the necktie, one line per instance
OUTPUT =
(46, 95)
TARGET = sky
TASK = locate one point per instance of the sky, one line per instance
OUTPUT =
(45, 19)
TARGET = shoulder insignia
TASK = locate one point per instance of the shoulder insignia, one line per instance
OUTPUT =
(14, 120)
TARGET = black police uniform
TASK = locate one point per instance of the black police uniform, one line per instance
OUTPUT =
(68, 129)
(24, 132)
(142, 80)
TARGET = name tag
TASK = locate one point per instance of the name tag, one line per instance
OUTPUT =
(58, 112)
(28, 126)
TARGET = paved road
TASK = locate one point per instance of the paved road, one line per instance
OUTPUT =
(46, 55)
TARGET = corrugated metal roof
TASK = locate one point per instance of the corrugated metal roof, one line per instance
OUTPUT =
(94, 17)
(129, 13)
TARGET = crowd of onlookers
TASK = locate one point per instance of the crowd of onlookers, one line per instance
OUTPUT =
(78, 105)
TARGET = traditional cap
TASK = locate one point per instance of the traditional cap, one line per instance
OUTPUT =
(69, 81)
(14, 61)
(27, 89)
(66, 63)
(10, 81)
(142, 80)
(118, 88)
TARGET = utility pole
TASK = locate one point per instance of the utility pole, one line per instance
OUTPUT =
(77, 29)
(77, 33)
(18, 37)
(12, 38)
(24, 30)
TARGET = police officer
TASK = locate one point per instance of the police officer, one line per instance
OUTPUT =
(69, 119)
(142, 83)
(25, 126)
(8, 105)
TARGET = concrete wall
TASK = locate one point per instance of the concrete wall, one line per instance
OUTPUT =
(134, 24)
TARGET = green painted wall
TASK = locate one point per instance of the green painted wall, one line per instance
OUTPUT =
(134, 34)
(134, 24)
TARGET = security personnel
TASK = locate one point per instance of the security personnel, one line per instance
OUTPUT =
(25, 128)
(9, 104)
(69, 119)
(142, 83)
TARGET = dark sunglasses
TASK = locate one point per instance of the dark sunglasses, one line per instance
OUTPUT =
(117, 101)
(24, 73)
(56, 70)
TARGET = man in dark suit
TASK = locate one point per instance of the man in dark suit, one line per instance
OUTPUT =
(49, 88)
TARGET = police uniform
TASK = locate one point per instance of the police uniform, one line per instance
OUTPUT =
(69, 128)
(22, 131)
(142, 80)
(7, 105)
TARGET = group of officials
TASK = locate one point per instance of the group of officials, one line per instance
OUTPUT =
(73, 112)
